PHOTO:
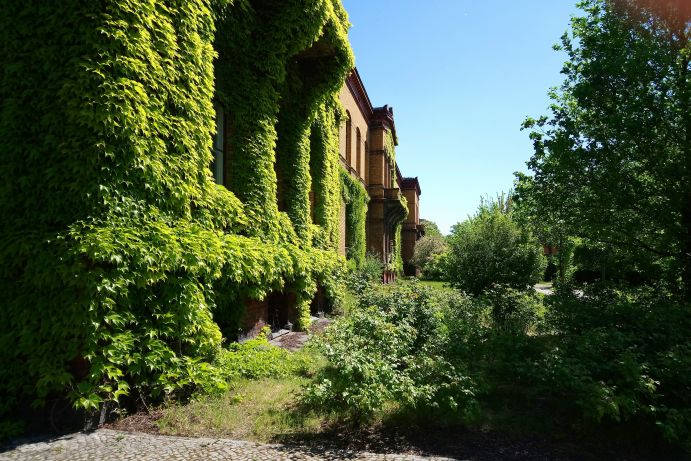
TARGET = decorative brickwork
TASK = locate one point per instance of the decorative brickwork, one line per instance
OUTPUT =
(393, 211)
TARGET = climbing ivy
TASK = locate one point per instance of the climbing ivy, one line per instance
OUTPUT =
(396, 264)
(122, 256)
(266, 85)
(355, 197)
(324, 170)
(390, 152)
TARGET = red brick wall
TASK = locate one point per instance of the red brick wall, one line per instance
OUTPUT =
(256, 315)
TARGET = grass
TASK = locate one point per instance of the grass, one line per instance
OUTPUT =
(434, 284)
(263, 402)
(263, 410)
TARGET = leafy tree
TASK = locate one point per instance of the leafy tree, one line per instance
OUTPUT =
(612, 162)
(428, 251)
(431, 228)
(492, 249)
(547, 228)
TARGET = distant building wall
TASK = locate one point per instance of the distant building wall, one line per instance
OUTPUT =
(364, 147)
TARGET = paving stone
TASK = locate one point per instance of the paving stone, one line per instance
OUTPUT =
(110, 445)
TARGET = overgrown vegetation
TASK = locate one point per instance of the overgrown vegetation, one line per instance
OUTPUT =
(491, 248)
(263, 383)
(621, 356)
(612, 161)
(355, 197)
(393, 348)
(430, 252)
(606, 360)
(123, 265)
(574, 367)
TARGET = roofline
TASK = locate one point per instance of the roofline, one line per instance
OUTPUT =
(383, 117)
(411, 183)
(359, 93)
(357, 89)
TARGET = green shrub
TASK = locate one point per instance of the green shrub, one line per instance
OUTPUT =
(436, 267)
(427, 255)
(391, 349)
(514, 311)
(490, 248)
(368, 274)
(256, 359)
(622, 355)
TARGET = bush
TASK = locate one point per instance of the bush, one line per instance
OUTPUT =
(490, 248)
(392, 348)
(513, 311)
(256, 359)
(428, 251)
(622, 356)
(435, 269)
(369, 273)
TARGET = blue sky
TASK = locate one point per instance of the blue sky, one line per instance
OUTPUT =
(461, 76)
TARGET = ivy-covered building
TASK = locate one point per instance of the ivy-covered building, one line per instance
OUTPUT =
(172, 178)
(367, 152)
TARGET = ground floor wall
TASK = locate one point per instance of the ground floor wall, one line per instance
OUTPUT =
(277, 311)
(409, 237)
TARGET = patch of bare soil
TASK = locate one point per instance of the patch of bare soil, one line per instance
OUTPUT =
(138, 422)
(291, 341)
(319, 325)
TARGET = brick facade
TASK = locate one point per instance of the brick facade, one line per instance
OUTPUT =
(379, 174)
(412, 230)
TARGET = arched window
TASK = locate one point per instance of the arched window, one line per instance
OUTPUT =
(349, 141)
(365, 162)
(358, 152)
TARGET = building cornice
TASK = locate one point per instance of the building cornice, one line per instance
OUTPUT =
(357, 89)
(376, 117)
(411, 183)
(383, 118)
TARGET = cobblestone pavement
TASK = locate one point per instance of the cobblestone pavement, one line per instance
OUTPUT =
(107, 445)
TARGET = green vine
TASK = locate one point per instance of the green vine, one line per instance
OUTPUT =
(324, 169)
(397, 257)
(355, 197)
(398, 252)
(390, 150)
(123, 262)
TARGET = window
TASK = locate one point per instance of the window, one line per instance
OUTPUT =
(217, 163)
(365, 162)
(348, 137)
(358, 151)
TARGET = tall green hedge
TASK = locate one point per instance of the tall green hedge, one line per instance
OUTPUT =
(118, 251)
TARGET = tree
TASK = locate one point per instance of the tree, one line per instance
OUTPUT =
(548, 230)
(427, 251)
(490, 248)
(431, 228)
(612, 162)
